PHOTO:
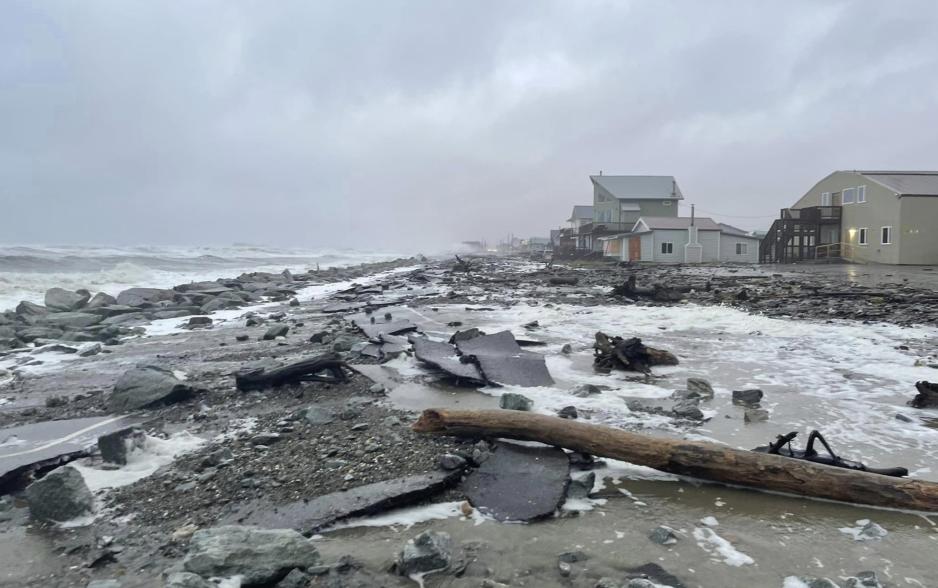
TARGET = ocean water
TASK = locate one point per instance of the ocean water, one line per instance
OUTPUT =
(26, 272)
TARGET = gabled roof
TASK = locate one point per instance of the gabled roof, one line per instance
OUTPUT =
(581, 212)
(905, 183)
(675, 222)
(639, 187)
(731, 230)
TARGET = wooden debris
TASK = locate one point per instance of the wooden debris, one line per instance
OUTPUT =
(697, 459)
(927, 396)
(308, 370)
(628, 354)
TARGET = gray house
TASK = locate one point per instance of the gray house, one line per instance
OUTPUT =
(682, 240)
(619, 201)
(868, 216)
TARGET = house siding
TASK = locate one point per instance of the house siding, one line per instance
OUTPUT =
(917, 230)
(676, 236)
(710, 240)
(648, 247)
(728, 249)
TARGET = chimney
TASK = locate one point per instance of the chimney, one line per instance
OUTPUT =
(691, 215)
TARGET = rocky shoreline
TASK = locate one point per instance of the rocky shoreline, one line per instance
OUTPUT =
(259, 451)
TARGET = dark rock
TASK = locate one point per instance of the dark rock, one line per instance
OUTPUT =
(60, 299)
(567, 349)
(61, 495)
(568, 412)
(449, 461)
(294, 302)
(259, 556)
(518, 483)
(295, 579)
(465, 335)
(901, 417)
(688, 409)
(756, 415)
(69, 320)
(655, 573)
(514, 401)
(585, 390)
(30, 309)
(276, 331)
(747, 397)
(927, 395)
(663, 535)
(115, 446)
(428, 552)
(572, 556)
(145, 386)
(819, 583)
(308, 516)
(89, 349)
(320, 337)
(866, 579)
(199, 321)
(242, 337)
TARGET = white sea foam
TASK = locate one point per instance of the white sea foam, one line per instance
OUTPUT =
(718, 547)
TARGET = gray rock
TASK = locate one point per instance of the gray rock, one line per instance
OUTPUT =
(187, 580)
(30, 309)
(89, 349)
(115, 446)
(567, 349)
(145, 386)
(688, 409)
(901, 417)
(259, 556)
(663, 535)
(276, 331)
(142, 296)
(819, 583)
(343, 343)
(572, 556)
(872, 530)
(63, 300)
(173, 313)
(700, 386)
(580, 489)
(607, 583)
(315, 415)
(586, 390)
(199, 321)
(295, 579)
(864, 580)
(514, 401)
(641, 583)
(294, 302)
(101, 299)
(61, 495)
(69, 320)
(427, 552)
(218, 304)
(568, 412)
(30, 334)
(747, 397)
(756, 415)
(449, 461)
(104, 584)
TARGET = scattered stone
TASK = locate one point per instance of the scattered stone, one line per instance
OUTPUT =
(872, 530)
(319, 337)
(568, 412)
(747, 397)
(514, 401)
(145, 386)
(567, 349)
(700, 386)
(819, 583)
(199, 321)
(61, 495)
(187, 580)
(242, 338)
(89, 349)
(866, 579)
(428, 552)
(756, 415)
(115, 446)
(56, 401)
(142, 296)
(449, 461)
(259, 556)
(276, 331)
(663, 535)
(580, 489)
(586, 390)
(266, 438)
(294, 302)
(104, 584)
(315, 415)
(30, 309)
(688, 409)
(343, 343)
(572, 556)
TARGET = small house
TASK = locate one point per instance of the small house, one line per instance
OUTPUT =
(683, 240)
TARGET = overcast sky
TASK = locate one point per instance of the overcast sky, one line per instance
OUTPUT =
(414, 125)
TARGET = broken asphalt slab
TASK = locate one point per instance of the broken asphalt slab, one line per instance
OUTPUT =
(502, 361)
(375, 330)
(519, 483)
(42, 445)
(308, 516)
(443, 357)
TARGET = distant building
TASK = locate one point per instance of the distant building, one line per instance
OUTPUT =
(619, 201)
(682, 240)
(868, 216)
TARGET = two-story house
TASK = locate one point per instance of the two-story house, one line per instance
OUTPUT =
(619, 201)
(868, 216)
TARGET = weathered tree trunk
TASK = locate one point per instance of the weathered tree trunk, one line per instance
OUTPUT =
(707, 461)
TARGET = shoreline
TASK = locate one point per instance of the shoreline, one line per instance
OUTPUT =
(265, 431)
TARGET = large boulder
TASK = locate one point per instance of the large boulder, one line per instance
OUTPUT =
(26, 309)
(61, 495)
(147, 385)
(70, 320)
(142, 296)
(30, 334)
(259, 556)
(64, 300)
(101, 299)
(429, 551)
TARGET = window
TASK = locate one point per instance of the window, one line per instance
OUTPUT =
(667, 248)
(861, 194)
(666, 203)
(863, 238)
(825, 198)
(850, 195)
(885, 236)
(742, 248)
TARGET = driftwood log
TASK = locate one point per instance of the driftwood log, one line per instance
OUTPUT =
(697, 459)
(308, 370)
(628, 354)
(927, 396)
(658, 292)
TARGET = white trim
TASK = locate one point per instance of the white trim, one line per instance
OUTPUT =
(863, 236)
(666, 203)
(670, 246)
(861, 190)
(742, 248)
(889, 242)
(826, 199)
(843, 196)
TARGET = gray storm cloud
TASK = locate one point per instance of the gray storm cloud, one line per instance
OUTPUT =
(413, 125)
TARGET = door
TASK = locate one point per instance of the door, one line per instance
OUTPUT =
(635, 249)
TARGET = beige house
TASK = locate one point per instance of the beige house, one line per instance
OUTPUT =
(867, 216)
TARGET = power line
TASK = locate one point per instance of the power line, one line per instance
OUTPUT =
(729, 215)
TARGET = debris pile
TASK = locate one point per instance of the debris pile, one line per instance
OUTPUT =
(628, 354)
